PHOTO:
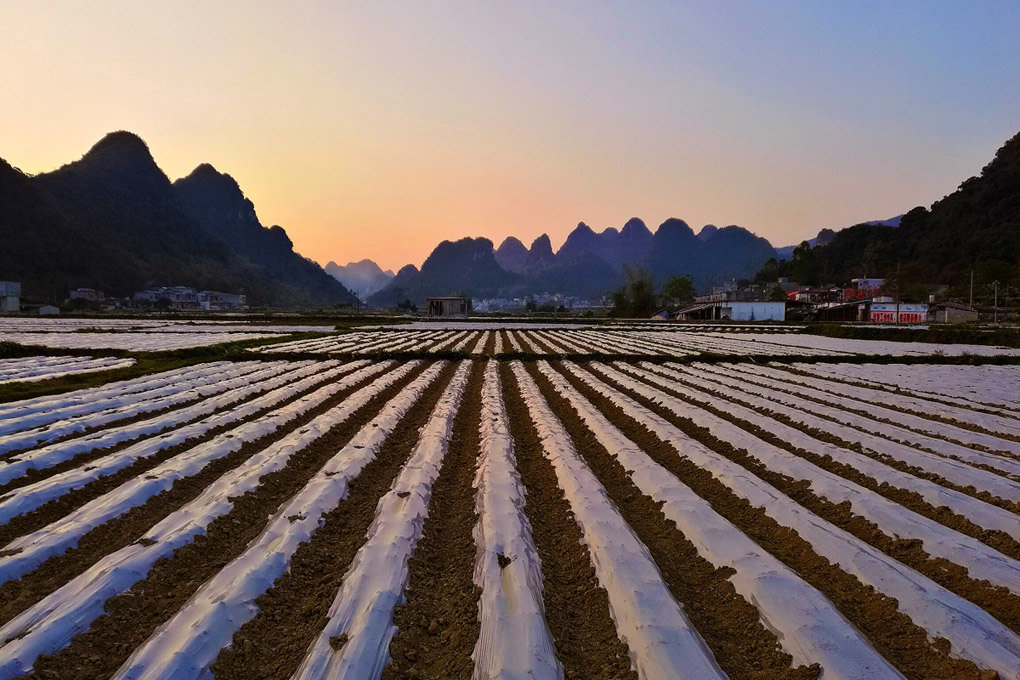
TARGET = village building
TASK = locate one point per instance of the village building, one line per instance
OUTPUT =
(87, 294)
(953, 312)
(448, 307)
(734, 310)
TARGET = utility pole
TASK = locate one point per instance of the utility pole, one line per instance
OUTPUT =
(971, 287)
(995, 287)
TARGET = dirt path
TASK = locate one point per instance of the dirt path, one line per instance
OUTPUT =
(576, 607)
(892, 633)
(438, 625)
(730, 625)
(293, 611)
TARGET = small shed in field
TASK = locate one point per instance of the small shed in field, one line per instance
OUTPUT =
(448, 307)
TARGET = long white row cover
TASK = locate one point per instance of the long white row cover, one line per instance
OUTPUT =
(127, 408)
(28, 551)
(981, 560)
(69, 366)
(907, 425)
(41, 457)
(51, 408)
(748, 408)
(880, 441)
(807, 625)
(662, 642)
(973, 633)
(514, 641)
(185, 646)
(375, 581)
(49, 625)
(29, 497)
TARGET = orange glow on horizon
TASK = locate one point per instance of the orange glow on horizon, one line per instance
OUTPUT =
(376, 132)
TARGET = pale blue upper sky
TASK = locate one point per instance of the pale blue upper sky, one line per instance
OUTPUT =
(377, 129)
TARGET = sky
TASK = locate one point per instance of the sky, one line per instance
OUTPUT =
(378, 129)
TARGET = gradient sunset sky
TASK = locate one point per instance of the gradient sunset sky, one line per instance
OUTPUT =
(377, 129)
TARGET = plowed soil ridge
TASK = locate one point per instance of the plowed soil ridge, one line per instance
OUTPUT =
(89, 653)
(996, 600)
(72, 500)
(892, 633)
(294, 610)
(438, 624)
(729, 624)
(577, 607)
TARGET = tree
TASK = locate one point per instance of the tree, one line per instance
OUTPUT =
(677, 291)
(778, 294)
(804, 265)
(636, 298)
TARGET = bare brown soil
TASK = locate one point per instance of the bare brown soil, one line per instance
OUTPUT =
(996, 600)
(17, 595)
(833, 438)
(72, 500)
(999, 540)
(293, 612)
(490, 345)
(577, 607)
(789, 389)
(729, 624)
(892, 633)
(438, 624)
(930, 415)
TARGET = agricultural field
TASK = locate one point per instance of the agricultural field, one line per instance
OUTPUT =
(33, 369)
(519, 502)
(137, 335)
(522, 338)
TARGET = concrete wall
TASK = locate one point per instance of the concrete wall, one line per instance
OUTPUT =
(757, 311)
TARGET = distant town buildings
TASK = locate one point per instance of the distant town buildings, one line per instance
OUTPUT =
(87, 294)
(185, 298)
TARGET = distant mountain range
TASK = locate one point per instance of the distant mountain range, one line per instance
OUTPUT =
(588, 264)
(361, 278)
(113, 221)
(976, 228)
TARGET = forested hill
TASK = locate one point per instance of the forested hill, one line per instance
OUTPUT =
(113, 221)
(976, 228)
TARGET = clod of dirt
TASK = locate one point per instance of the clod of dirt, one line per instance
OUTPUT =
(403, 494)
(297, 517)
(503, 560)
(146, 541)
(337, 642)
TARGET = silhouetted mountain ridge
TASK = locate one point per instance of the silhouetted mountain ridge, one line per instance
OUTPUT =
(589, 264)
(975, 227)
(112, 220)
